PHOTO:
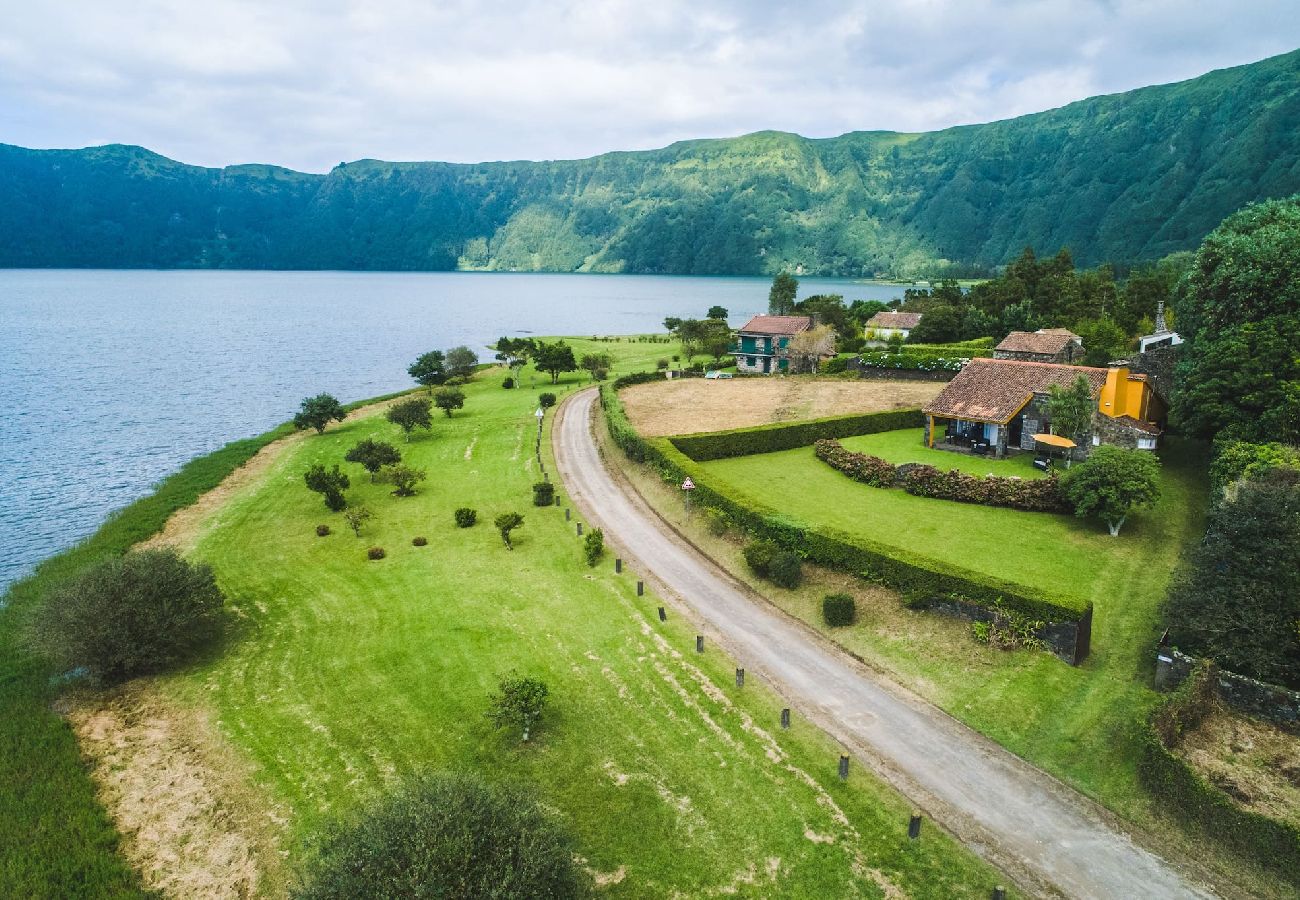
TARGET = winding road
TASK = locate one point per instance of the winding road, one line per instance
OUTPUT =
(1051, 840)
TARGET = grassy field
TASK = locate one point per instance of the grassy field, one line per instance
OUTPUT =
(350, 672)
(1077, 723)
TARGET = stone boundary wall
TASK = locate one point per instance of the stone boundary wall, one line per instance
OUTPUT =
(902, 374)
(1257, 698)
(1067, 641)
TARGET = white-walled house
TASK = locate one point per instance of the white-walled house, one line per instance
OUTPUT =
(884, 325)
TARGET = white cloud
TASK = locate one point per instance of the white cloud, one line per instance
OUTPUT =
(308, 84)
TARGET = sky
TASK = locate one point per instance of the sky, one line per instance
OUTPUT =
(310, 84)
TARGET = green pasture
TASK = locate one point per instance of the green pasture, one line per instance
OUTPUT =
(348, 673)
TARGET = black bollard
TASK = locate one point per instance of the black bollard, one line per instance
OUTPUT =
(699, 643)
(663, 616)
(566, 514)
(914, 826)
(740, 678)
(546, 476)
(557, 500)
(579, 529)
(785, 718)
(844, 767)
(640, 588)
(999, 893)
(618, 566)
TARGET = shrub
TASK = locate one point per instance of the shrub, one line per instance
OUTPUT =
(838, 610)
(546, 400)
(506, 523)
(785, 569)
(543, 494)
(835, 365)
(375, 553)
(466, 517)
(593, 546)
(508, 383)
(403, 479)
(518, 703)
(449, 398)
(419, 541)
(661, 364)
(759, 556)
(1112, 482)
(322, 530)
(861, 467)
(410, 414)
(446, 836)
(141, 613)
(716, 521)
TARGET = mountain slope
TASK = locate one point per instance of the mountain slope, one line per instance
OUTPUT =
(1123, 177)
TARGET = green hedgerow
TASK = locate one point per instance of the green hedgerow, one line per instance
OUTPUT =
(838, 610)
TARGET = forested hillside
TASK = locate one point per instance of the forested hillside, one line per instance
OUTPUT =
(1126, 177)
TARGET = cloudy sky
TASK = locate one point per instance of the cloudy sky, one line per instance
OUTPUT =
(308, 84)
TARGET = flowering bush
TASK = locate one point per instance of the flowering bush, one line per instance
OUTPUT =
(870, 470)
(921, 362)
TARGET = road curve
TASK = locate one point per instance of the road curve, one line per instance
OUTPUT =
(1049, 838)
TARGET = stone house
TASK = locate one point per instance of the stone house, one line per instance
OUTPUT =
(762, 344)
(1047, 345)
(998, 405)
(884, 325)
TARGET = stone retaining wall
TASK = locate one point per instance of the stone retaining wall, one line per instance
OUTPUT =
(1257, 698)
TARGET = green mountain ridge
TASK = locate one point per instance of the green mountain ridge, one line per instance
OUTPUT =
(1124, 177)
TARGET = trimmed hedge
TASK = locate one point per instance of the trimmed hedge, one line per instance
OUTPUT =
(1272, 843)
(839, 610)
(924, 580)
(789, 435)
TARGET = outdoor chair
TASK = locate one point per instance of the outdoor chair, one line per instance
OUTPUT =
(1042, 463)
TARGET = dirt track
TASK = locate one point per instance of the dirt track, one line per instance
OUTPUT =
(1048, 837)
(689, 405)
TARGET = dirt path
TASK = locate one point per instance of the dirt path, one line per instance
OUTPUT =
(1053, 841)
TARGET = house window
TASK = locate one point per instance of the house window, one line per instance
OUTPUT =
(1146, 443)
(1096, 440)
(751, 361)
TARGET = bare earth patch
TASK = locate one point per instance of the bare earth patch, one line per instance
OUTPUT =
(1254, 762)
(691, 405)
(191, 821)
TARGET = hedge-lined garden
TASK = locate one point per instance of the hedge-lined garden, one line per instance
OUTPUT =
(921, 579)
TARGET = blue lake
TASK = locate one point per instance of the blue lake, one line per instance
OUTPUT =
(113, 379)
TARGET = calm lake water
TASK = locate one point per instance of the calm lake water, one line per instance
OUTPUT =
(113, 379)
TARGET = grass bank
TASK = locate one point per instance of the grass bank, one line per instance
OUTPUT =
(352, 672)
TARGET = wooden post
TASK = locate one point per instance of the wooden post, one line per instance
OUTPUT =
(785, 718)
(663, 616)
(999, 893)
(618, 565)
(740, 678)
(579, 529)
(914, 826)
(640, 588)
(699, 643)
(844, 767)
(566, 514)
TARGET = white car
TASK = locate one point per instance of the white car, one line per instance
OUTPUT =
(717, 375)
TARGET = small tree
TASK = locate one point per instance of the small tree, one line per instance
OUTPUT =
(1111, 483)
(331, 483)
(717, 312)
(597, 364)
(715, 338)
(506, 523)
(593, 546)
(1071, 408)
(449, 398)
(671, 324)
(546, 401)
(317, 412)
(780, 298)
(373, 455)
(447, 836)
(518, 703)
(411, 414)
(403, 479)
(461, 361)
(357, 516)
(429, 368)
(145, 612)
(554, 359)
(807, 348)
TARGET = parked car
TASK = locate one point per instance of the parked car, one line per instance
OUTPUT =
(717, 375)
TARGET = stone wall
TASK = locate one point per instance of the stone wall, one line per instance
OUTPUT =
(899, 374)
(1257, 698)
(1068, 641)
(1158, 364)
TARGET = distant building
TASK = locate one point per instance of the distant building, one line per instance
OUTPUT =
(1047, 345)
(884, 325)
(1162, 336)
(762, 344)
(996, 405)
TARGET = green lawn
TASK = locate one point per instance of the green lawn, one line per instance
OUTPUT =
(907, 445)
(349, 673)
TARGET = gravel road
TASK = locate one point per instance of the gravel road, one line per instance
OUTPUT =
(1048, 838)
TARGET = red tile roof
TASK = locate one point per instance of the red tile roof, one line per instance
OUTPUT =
(1048, 343)
(994, 390)
(776, 325)
(904, 320)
